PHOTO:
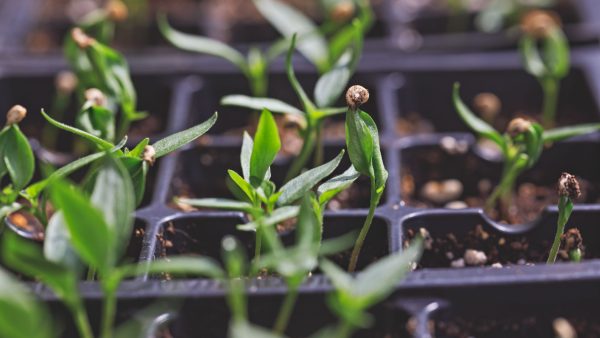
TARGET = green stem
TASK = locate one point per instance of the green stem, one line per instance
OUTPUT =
(81, 321)
(59, 106)
(286, 310)
(344, 330)
(258, 244)
(307, 148)
(504, 189)
(375, 197)
(550, 87)
(108, 312)
(565, 206)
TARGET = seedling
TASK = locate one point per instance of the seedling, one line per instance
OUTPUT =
(323, 46)
(550, 64)
(362, 141)
(258, 197)
(95, 231)
(327, 91)
(99, 66)
(353, 296)
(568, 191)
(521, 146)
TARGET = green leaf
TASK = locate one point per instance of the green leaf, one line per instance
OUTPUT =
(309, 228)
(179, 265)
(246, 155)
(90, 234)
(148, 321)
(138, 171)
(277, 216)
(475, 123)
(57, 244)
(335, 185)
(217, 203)
(35, 189)
(240, 187)
(98, 121)
(100, 143)
(339, 278)
(27, 258)
(114, 196)
(18, 157)
(260, 103)
(200, 44)
(379, 279)
(556, 53)
(139, 148)
(308, 105)
(331, 85)
(359, 142)
(559, 134)
(298, 186)
(178, 140)
(379, 170)
(22, 315)
(265, 148)
(243, 329)
(532, 60)
(288, 21)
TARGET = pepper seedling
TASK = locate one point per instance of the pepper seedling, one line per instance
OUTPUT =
(521, 146)
(323, 46)
(354, 295)
(362, 141)
(568, 191)
(92, 230)
(549, 63)
(327, 91)
(99, 66)
(258, 197)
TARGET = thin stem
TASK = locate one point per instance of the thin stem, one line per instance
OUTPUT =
(59, 106)
(108, 313)
(82, 321)
(307, 148)
(258, 245)
(286, 310)
(551, 87)
(365, 228)
(504, 189)
(565, 207)
(344, 330)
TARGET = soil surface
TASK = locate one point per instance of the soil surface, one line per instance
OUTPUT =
(485, 248)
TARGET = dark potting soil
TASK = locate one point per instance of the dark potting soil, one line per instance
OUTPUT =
(436, 177)
(523, 327)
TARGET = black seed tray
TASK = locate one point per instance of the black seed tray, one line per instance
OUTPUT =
(182, 89)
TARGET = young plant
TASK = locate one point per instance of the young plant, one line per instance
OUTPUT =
(568, 191)
(257, 196)
(521, 146)
(100, 23)
(550, 63)
(138, 160)
(94, 231)
(99, 66)
(362, 141)
(354, 295)
(323, 46)
(327, 91)
(254, 65)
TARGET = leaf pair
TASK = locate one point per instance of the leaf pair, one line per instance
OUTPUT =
(132, 160)
(354, 295)
(16, 157)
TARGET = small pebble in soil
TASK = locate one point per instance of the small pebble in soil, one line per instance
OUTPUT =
(487, 105)
(563, 329)
(457, 264)
(456, 205)
(475, 257)
(453, 146)
(441, 192)
(496, 265)
(489, 150)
